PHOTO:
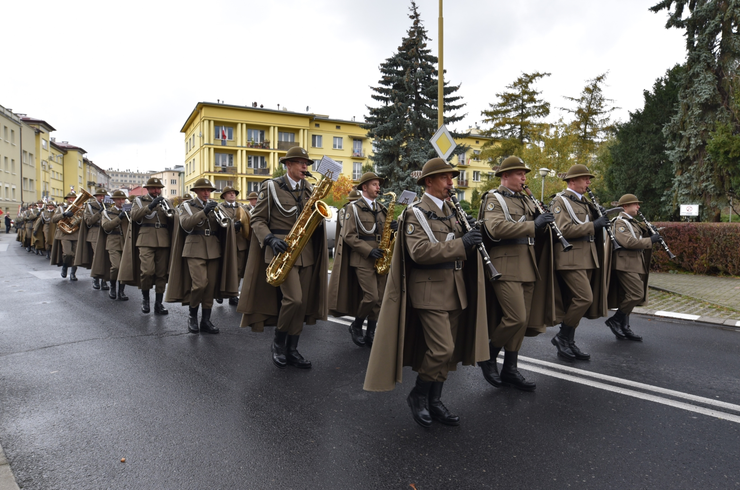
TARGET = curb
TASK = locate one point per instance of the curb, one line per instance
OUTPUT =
(664, 290)
(7, 480)
(686, 316)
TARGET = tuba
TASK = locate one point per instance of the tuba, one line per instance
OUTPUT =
(312, 214)
(387, 241)
(72, 224)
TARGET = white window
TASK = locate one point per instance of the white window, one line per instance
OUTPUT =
(44, 144)
(224, 159)
(25, 156)
(289, 137)
(476, 155)
(253, 186)
(254, 161)
(173, 181)
(357, 148)
(476, 176)
(224, 133)
(462, 179)
(356, 170)
(461, 159)
(173, 192)
(12, 136)
(79, 163)
(255, 135)
(316, 141)
(338, 143)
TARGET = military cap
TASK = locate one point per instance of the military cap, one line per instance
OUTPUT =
(512, 163)
(252, 195)
(628, 199)
(367, 177)
(436, 166)
(229, 189)
(353, 195)
(296, 153)
(118, 195)
(153, 182)
(71, 194)
(100, 192)
(203, 184)
(578, 170)
(187, 196)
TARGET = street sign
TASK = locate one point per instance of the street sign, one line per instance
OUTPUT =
(689, 209)
(443, 143)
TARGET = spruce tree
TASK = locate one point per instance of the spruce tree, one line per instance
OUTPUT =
(406, 117)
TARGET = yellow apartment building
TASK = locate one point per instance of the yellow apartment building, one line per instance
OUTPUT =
(240, 146)
(10, 179)
(74, 172)
(473, 170)
(55, 164)
(29, 183)
(42, 145)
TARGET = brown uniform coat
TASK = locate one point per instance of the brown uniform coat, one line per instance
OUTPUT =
(634, 257)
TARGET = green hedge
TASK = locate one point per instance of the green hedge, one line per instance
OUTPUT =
(701, 248)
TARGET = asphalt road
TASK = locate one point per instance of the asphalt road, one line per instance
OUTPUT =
(86, 381)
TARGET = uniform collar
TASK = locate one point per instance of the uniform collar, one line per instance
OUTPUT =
(293, 184)
(439, 202)
(369, 202)
(580, 196)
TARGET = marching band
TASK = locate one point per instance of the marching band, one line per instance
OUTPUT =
(429, 287)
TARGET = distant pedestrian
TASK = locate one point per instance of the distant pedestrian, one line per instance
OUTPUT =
(7, 224)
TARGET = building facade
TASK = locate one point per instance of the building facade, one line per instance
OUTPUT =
(126, 179)
(172, 180)
(10, 179)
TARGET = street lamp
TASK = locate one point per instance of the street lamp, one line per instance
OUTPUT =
(543, 174)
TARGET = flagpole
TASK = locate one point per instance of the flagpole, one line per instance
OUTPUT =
(441, 76)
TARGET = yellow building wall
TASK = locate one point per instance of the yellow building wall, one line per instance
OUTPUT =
(55, 166)
(42, 163)
(473, 170)
(74, 171)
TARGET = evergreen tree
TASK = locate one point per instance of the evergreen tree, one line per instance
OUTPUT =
(639, 163)
(406, 118)
(705, 98)
(514, 118)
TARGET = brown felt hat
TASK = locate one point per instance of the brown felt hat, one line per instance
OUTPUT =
(296, 153)
(353, 195)
(203, 184)
(187, 196)
(436, 166)
(100, 192)
(367, 177)
(252, 195)
(229, 189)
(577, 170)
(71, 194)
(153, 182)
(512, 163)
(119, 194)
(628, 199)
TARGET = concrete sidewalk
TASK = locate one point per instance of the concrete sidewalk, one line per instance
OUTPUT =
(707, 299)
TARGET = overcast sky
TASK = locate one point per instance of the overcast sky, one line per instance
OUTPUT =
(120, 79)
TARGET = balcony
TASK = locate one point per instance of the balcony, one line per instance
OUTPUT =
(358, 154)
(286, 145)
(462, 182)
(265, 145)
(258, 171)
(225, 170)
(463, 162)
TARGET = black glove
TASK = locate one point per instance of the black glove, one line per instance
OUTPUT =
(394, 225)
(68, 214)
(237, 226)
(655, 238)
(542, 220)
(375, 253)
(473, 237)
(471, 221)
(122, 214)
(277, 245)
(600, 223)
(156, 201)
(210, 207)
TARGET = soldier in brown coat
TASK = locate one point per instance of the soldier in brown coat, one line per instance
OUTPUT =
(93, 211)
(151, 226)
(115, 224)
(511, 222)
(301, 298)
(355, 287)
(230, 207)
(46, 216)
(29, 219)
(252, 198)
(66, 242)
(581, 270)
(628, 287)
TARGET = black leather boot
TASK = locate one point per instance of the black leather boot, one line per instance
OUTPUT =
(418, 401)
(64, 270)
(73, 273)
(233, 301)
(205, 323)
(104, 285)
(562, 343)
(580, 355)
(278, 349)
(355, 331)
(615, 324)
(628, 331)
(121, 295)
(219, 300)
(510, 375)
(370, 332)
(490, 367)
(292, 355)
(437, 410)
(193, 320)
(48, 253)
(96, 283)
(112, 292)
(159, 308)
(145, 301)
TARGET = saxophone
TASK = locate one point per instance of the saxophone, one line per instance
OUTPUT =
(314, 212)
(387, 241)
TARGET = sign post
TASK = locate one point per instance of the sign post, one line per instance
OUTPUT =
(689, 211)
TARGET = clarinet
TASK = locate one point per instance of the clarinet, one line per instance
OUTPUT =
(462, 217)
(541, 208)
(615, 245)
(654, 231)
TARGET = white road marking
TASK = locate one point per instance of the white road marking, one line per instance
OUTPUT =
(672, 314)
(4, 247)
(52, 274)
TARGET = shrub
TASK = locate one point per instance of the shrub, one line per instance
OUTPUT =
(701, 248)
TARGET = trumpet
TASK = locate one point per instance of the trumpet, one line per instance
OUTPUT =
(168, 210)
(541, 208)
(223, 220)
(654, 231)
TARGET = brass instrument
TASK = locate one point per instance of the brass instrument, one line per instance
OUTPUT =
(244, 218)
(615, 245)
(387, 241)
(72, 224)
(542, 209)
(168, 210)
(462, 218)
(654, 231)
(223, 220)
(314, 212)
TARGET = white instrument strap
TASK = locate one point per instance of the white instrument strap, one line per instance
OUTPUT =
(423, 222)
(629, 225)
(359, 223)
(507, 214)
(137, 201)
(285, 212)
(569, 208)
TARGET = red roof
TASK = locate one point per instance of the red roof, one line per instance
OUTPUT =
(137, 191)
